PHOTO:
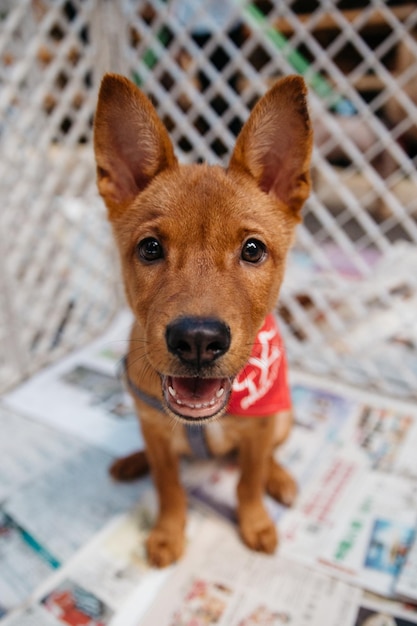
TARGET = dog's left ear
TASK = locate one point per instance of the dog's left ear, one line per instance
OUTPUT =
(274, 146)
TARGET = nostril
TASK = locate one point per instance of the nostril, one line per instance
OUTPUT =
(216, 346)
(182, 346)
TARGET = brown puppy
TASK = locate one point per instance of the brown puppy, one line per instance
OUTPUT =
(203, 253)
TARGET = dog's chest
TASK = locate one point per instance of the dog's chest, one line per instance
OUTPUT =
(225, 434)
(219, 437)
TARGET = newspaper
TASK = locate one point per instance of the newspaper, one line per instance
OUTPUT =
(77, 498)
(375, 611)
(356, 515)
(49, 519)
(83, 395)
(219, 582)
(22, 567)
(103, 578)
(28, 450)
(43, 447)
(369, 544)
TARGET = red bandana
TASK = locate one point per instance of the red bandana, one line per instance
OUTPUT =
(261, 388)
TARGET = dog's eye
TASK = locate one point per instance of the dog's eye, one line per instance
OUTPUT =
(149, 249)
(253, 251)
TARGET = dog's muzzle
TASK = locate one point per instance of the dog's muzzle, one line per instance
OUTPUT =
(197, 343)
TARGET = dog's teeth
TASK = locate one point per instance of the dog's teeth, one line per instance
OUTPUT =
(197, 405)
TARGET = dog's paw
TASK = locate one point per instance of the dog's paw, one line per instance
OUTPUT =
(281, 485)
(259, 533)
(164, 547)
(130, 467)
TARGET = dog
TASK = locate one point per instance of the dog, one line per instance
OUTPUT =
(203, 252)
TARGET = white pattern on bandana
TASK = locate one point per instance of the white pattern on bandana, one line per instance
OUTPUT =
(263, 371)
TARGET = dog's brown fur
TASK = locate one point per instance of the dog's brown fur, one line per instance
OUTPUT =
(201, 216)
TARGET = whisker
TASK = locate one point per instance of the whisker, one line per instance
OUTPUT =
(173, 423)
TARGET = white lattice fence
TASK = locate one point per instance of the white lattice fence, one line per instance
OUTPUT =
(349, 301)
(57, 283)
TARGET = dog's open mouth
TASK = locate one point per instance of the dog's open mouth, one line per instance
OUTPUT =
(196, 398)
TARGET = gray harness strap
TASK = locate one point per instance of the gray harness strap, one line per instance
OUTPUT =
(196, 436)
(195, 433)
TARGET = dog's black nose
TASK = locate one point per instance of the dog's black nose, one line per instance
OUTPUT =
(198, 341)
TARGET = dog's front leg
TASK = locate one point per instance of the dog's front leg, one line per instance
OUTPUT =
(165, 543)
(255, 449)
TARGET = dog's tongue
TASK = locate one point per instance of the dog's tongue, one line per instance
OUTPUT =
(196, 398)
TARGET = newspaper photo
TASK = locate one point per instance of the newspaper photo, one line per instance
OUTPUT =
(406, 583)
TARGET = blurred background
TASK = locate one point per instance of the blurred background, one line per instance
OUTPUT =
(349, 303)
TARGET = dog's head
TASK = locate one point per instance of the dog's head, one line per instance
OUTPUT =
(202, 248)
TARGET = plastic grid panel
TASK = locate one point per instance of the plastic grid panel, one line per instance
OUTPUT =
(58, 285)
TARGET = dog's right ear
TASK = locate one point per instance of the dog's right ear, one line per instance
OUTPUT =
(130, 142)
